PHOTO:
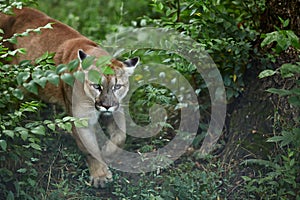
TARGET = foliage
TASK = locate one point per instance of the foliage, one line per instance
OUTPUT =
(279, 176)
(286, 71)
(20, 135)
(283, 38)
(21, 141)
(225, 29)
(277, 179)
(175, 183)
(99, 17)
(7, 5)
(39, 163)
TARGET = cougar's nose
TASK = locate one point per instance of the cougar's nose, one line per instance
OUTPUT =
(103, 107)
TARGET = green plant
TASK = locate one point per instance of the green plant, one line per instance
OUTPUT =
(278, 178)
(21, 128)
(57, 170)
(287, 71)
(99, 18)
(283, 38)
(225, 29)
(180, 181)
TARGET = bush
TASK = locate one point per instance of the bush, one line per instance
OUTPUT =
(225, 29)
(278, 177)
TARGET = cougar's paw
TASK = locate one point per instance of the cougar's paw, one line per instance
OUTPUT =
(100, 177)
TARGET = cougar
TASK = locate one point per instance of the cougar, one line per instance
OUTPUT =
(91, 99)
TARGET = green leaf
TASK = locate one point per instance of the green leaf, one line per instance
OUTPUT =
(47, 122)
(61, 125)
(293, 38)
(282, 42)
(39, 130)
(94, 76)
(37, 74)
(269, 38)
(266, 73)
(294, 100)
(53, 78)
(35, 146)
(246, 178)
(107, 70)
(280, 92)
(73, 64)
(9, 133)
(13, 40)
(61, 68)
(68, 78)
(87, 62)
(48, 26)
(51, 126)
(25, 63)
(10, 196)
(22, 170)
(103, 60)
(31, 87)
(285, 23)
(3, 145)
(24, 135)
(287, 138)
(265, 163)
(68, 127)
(275, 139)
(22, 77)
(81, 123)
(23, 132)
(288, 70)
(79, 75)
(160, 6)
(18, 94)
(68, 118)
(45, 56)
(41, 81)
(296, 91)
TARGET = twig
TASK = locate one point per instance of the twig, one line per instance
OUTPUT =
(178, 11)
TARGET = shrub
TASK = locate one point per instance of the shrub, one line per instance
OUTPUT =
(225, 29)
(278, 176)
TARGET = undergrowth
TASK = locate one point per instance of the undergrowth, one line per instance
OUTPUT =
(39, 160)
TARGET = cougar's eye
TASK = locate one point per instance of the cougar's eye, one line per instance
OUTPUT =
(96, 86)
(117, 87)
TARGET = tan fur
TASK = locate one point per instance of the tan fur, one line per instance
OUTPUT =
(65, 42)
(62, 39)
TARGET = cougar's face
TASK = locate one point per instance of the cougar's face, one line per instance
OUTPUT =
(108, 94)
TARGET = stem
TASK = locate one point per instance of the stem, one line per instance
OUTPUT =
(178, 11)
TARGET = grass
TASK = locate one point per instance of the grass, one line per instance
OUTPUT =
(63, 174)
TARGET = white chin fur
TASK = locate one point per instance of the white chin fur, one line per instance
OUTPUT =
(110, 109)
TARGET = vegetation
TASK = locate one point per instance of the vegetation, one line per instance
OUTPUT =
(39, 160)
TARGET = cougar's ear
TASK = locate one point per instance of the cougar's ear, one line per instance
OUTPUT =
(81, 55)
(131, 64)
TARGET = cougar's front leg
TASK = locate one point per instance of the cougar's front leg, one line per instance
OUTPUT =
(100, 174)
(87, 143)
(117, 131)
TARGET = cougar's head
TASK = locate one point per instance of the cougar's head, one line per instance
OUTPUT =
(112, 88)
